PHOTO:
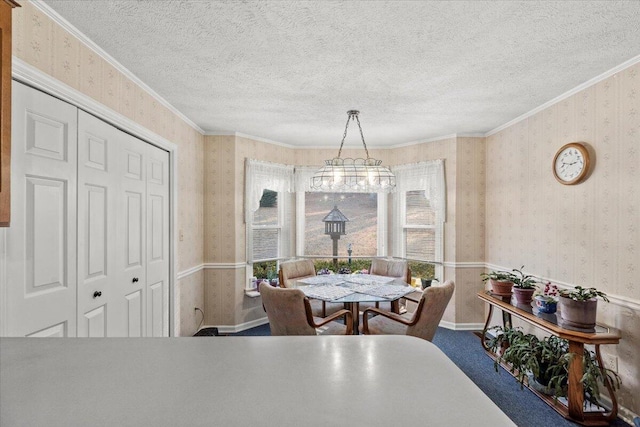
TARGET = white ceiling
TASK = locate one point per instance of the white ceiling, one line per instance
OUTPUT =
(288, 71)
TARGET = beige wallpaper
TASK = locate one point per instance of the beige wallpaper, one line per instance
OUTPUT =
(504, 206)
(45, 45)
(586, 234)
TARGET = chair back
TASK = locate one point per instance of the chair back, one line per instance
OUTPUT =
(430, 310)
(287, 311)
(391, 268)
(297, 269)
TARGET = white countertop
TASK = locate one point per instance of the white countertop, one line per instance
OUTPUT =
(237, 381)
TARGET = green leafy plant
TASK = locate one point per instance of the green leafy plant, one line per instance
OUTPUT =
(579, 293)
(523, 281)
(547, 360)
(498, 276)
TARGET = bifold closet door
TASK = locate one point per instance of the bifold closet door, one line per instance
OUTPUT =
(110, 233)
(123, 233)
(41, 242)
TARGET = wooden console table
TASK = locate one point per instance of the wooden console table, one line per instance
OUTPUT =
(547, 322)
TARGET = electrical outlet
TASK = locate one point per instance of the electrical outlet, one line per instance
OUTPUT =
(610, 361)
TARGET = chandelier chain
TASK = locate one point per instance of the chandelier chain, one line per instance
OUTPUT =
(362, 136)
(344, 135)
(352, 114)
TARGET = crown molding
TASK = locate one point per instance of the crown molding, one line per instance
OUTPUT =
(66, 25)
(581, 87)
(32, 76)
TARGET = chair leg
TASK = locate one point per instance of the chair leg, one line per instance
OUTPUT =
(395, 306)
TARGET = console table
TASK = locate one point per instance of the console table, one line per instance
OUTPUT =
(548, 322)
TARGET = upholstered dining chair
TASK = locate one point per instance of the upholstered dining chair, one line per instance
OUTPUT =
(301, 269)
(390, 268)
(423, 323)
(289, 313)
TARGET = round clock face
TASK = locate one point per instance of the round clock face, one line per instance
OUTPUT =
(571, 163)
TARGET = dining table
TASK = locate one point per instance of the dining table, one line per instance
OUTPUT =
(353, 289)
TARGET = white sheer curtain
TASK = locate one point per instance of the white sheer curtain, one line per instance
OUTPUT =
(427, 177)
(260, 176)
(303, 175)
(423, 176)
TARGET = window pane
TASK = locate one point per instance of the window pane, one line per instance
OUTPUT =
(361, 230)
(419, 211)
(267, 213)
(421, 244)
(265, 243)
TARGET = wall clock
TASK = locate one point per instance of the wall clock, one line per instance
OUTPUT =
(571, 163)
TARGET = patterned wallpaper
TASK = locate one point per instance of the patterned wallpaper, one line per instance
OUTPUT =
(586, 234)
(504, 206)
(42, 43)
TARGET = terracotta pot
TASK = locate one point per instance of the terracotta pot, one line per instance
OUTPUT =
(578, 314)
(501, 287)
(523, 296)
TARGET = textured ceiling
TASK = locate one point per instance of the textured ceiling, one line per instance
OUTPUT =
(288, 71)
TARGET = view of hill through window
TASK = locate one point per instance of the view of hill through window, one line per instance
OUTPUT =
(361, 230)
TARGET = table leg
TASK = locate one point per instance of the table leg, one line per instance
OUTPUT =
(576, 390)
(354, 308)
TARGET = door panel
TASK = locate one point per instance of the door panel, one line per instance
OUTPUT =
(131, 238)
(41, 242)
(55, 331)
(157, 221)
(95, 322)
(134, 314)
(98, 143)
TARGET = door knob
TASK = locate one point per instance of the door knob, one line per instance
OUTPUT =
(96, 294)
(135, 280)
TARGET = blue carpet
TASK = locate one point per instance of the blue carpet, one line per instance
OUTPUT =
(464, 349)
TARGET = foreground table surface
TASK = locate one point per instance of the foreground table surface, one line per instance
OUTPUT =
(236, 381)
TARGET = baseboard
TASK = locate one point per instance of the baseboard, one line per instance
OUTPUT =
(232, 329)
(461, 326)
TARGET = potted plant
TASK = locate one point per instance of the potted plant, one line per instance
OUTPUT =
(524, 285)
(547, 299)
(426, 282)
(544, 363)
(501, 282)
(578, 307)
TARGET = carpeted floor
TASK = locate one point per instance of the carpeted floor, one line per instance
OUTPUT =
(464, 349)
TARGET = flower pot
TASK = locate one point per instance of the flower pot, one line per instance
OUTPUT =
(578, 314)
(499, 287)
(545, 305)
(426, 283)
(523, 296)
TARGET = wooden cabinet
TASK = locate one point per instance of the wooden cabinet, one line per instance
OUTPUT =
(5, 110)
(575, 410)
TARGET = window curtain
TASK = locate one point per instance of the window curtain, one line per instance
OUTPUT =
(303, 175)
(423, 176)
(260, 176)
(427, 177)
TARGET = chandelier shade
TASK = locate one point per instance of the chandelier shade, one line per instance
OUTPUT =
(347, 175)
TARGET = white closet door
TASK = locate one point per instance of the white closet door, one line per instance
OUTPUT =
(98, 145)
(41, 242)
(157, 242)
(130, 237)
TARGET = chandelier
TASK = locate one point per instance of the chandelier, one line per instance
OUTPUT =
(353, 175)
